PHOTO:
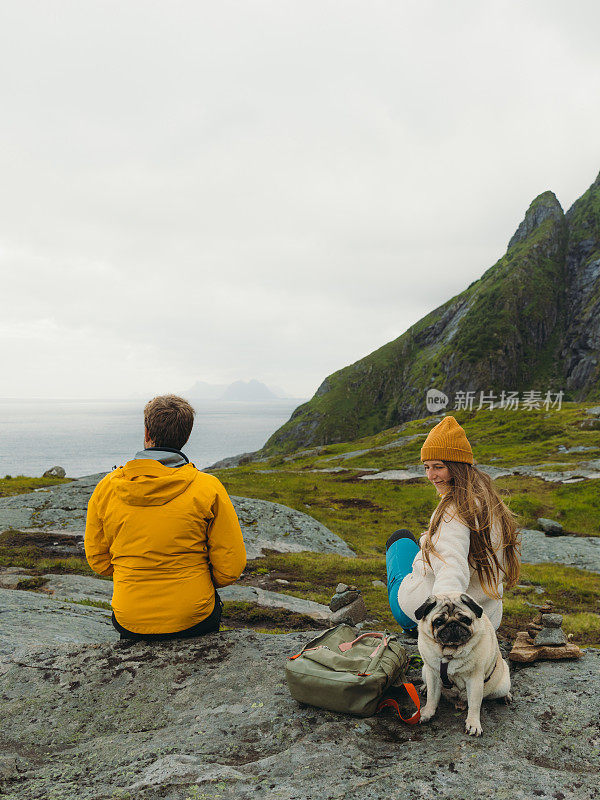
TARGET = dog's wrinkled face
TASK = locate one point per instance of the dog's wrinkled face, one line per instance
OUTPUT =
(450, 619)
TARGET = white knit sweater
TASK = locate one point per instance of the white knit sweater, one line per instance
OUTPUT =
(450, 572)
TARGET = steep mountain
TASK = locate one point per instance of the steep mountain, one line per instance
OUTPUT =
(531, 322)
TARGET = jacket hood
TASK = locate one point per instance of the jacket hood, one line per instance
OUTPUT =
(146, 482)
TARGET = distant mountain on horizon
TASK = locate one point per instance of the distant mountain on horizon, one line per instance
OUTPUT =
(248, 391)
(202, 390)
(530, 323)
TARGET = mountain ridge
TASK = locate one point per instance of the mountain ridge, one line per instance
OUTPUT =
(530, 322)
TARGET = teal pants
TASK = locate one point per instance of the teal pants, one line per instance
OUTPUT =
(401, 549)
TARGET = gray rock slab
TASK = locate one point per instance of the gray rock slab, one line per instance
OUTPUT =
(581, 472)
(61, 507)
(311, 451)
(586, 470)
(262, 597)
(213, 718)
(393, 475)
(574, 551)
(29, 618)
(344, 456)
(579, 449)
(85, 587)
(401, 441)
(79, 587)
(271, 526)
(494, 472)
(265, 525)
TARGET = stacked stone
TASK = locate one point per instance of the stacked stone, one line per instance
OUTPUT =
(544, 639)
(347, 605)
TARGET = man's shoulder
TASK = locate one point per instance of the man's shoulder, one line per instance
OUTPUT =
(104, 484)
(207, 480)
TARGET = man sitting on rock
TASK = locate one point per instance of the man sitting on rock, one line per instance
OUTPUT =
(167, 533)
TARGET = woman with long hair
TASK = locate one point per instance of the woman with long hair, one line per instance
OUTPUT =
(471, 544)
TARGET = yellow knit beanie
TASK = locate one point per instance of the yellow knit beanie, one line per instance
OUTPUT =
(448, 442)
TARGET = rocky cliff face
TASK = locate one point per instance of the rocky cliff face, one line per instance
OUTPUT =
(531, 322)
(581, 350)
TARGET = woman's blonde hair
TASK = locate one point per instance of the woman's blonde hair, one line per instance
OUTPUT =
(473, 498)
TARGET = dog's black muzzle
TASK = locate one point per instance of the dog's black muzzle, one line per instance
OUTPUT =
(453, 633)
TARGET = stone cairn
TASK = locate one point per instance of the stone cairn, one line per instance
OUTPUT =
(347, 605)
(544, 639)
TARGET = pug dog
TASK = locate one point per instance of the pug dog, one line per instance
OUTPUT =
(461, 656)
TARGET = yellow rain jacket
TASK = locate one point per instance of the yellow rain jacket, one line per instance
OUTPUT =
(168, 536)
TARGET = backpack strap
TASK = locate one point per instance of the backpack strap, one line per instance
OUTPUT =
(374, 634)
(391, 697)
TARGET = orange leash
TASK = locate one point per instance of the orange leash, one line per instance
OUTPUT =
(391, 701)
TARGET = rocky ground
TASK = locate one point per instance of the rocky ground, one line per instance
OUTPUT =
(265, 525)
(577, 551)
(89, 717)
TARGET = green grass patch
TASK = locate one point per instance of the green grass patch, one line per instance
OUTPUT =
(584, 627)
(30, 584)
(21, 484)
(91, 603)
(31, 550)
(363, 514)
(30, 558)
(569, 588)
(575, 505)
(249, 615)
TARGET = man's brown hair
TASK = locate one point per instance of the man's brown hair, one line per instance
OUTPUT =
(169, 420)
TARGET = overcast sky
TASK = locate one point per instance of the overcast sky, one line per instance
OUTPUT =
(232, 190)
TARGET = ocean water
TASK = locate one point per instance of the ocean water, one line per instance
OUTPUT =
(88, 436)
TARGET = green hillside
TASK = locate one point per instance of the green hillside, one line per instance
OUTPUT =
(531, 322)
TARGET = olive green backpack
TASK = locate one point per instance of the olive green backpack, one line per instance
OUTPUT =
(342, 672)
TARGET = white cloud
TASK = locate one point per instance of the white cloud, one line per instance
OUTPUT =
(211, 191)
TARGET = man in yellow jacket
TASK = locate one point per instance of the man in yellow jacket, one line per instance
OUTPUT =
(167, 533)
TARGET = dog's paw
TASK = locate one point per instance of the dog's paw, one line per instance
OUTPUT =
(473, 727)
(508, 698)
(426, 714)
